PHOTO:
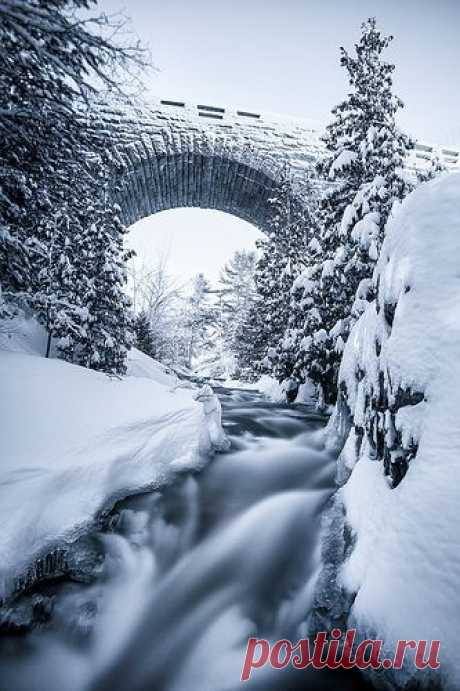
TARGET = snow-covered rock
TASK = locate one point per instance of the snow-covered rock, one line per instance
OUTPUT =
(213, 412)
(276, 392)
(271, 388)
(398, 407)
(307, 393)
(73, 440)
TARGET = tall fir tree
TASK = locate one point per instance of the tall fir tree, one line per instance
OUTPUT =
(363, 169)
(54, 299)
(103, 262)
(199, 320)
(299, 236)
(250, 340)
(236, 290)
(282, 256)
(79, 274)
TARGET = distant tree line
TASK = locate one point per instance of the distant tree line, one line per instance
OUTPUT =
(193, 325)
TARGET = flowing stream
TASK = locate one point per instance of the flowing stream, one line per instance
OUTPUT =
(186, 575)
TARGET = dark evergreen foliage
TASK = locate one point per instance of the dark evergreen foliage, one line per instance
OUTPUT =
(363, 166)
(52, 160)
(143, 337)
(282, 257)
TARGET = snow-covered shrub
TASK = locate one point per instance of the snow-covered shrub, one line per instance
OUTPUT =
(399, 396)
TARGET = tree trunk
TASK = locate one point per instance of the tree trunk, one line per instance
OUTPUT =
(48, 345)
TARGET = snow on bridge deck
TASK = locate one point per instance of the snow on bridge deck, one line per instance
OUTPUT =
(176, 154)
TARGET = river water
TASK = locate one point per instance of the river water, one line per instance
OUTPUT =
(186, 575)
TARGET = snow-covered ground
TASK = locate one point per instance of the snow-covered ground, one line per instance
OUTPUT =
(141, 365)
(72, 440)
(405, 564)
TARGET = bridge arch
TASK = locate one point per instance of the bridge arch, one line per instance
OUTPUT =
(190, 179)
(171, 155)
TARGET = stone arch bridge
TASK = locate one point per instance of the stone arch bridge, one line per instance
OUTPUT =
(173, 154)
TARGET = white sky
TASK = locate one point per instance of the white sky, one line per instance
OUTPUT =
(282, 56)
(192, 240)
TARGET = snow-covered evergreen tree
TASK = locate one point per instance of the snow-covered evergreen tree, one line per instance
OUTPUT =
(52, 60)
(282, 256)
(199, 319)
(237, 291)
(54, 299)
(363, 166)
(143, 337)
(250, 343)
(79, 274)
(301, 250)
(102, 260)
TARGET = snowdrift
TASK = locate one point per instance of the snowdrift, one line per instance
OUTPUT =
(141, 365)
(72, 441)
(399, 396)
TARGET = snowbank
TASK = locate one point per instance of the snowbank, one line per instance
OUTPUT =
(72, 440)
(400, 389)
(22, 335)
(141, 365)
